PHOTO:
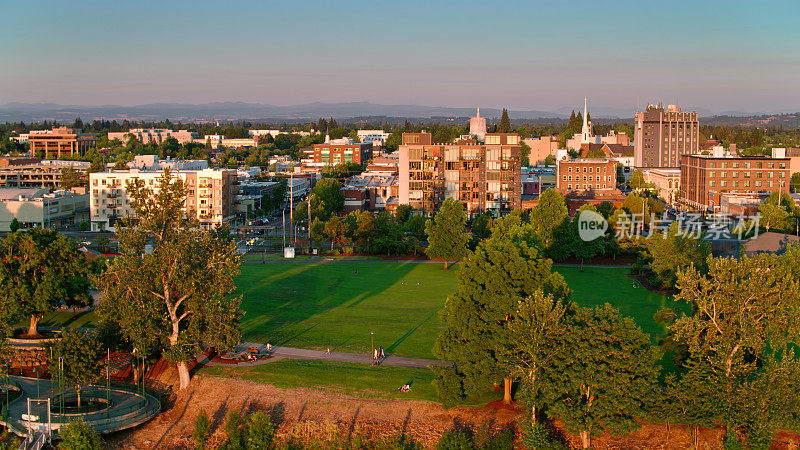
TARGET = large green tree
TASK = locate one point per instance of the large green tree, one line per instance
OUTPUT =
(172, 284)
(40, 270)
(549, 214)
(505, 124)
(667, 252)
(447, 237)
(77, 359)
(329, 193)
(745, 325)
(539, 321)
(70, 178)
(602, 375)
(494, 279)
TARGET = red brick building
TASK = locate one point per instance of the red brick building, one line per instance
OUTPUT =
(705, 178)
(334, 154)
(585, 175)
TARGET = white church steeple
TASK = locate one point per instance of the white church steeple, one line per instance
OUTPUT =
(587, 135)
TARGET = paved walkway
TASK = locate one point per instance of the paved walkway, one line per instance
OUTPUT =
(279, 353)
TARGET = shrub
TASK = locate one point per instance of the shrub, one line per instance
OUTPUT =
(448, 385)
(454, 440)
(79, 436)
(536, 437)
(201, 427)
(234, 428)
(260, 431)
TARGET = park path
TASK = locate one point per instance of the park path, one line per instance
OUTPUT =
(279, 353)
(418, 261)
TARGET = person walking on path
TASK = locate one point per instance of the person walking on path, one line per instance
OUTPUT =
(382, 355)
(374, 356)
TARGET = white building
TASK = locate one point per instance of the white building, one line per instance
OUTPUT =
(36, 207)
(477, 126)
(151, 162)
(211, 195)
(375, 137)
(154, 135)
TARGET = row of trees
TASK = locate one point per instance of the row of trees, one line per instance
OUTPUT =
(512, 318)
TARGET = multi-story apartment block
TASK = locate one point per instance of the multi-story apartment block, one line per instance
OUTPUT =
(661, 136)
(154, 135)
(211, 195)
(59, 142)
(374, 137)
(37, 207)
(586, 175)
(484, 177)
(36, 172)
(705, 178)
(331, 153)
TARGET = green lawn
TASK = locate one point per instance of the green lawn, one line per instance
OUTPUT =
(65, 318)
(346, 378)
(321, 305)
(318, 305)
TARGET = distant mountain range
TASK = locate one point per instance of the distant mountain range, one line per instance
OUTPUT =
(257, 112)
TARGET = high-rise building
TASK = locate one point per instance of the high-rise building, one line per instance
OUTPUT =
(60, 142)
(484, 177)
(477, 126)
(705, 178)
(661, 136)
(331, 153)
(211, 195)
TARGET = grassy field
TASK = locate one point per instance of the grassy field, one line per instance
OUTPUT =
(346, 378)
(330, 305)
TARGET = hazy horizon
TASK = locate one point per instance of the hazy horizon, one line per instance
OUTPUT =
(716, 55)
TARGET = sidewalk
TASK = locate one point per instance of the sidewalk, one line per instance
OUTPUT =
(279, 353)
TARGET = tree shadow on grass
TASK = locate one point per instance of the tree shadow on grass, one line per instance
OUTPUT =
(274, 310)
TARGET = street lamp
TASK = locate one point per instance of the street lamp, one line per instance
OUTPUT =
(372, 347)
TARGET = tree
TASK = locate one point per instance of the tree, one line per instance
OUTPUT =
(548, 215)
(447, 238)
(83, 225)
(637, 180)
(666, 253)
(40, 270)
(77, 435)
(172, 284)
(317, 231)
(538, 322)
(365, 229)
(773, 215)
(492, 282)
(14, 225)
(402, 213)
(81, 358)
(602, 374)
(70, 178)
(329, 192)
(336, 231)
(744, 325)
(505, 123)
(583, 249)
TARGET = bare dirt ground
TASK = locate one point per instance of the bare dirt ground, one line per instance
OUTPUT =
(307, 414)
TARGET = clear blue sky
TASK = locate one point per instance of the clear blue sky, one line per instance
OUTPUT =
(542, 55)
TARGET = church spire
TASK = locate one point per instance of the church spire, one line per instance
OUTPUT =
(586, 131)
(479, 112)
(585, 120)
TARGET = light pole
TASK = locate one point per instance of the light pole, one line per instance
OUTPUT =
(372, 347)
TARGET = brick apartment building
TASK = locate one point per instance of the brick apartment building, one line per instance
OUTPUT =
(333, 154)
(154, 135)
(586, 175)
(484, 177)
(662, 136)
(705, 178)
(61, 141)
(211, 195)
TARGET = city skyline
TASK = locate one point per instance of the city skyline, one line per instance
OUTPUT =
(723, 56)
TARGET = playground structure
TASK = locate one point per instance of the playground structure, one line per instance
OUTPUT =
(41, 408)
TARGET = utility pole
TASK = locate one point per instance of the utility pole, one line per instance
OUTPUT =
(283, 218)
(308, 200)
(291, 206)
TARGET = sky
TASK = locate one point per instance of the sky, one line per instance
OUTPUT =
(719, 55)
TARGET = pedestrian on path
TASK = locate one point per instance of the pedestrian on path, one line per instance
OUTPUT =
(382, 355)
(269, 348)
(328, 351)
(374, 356)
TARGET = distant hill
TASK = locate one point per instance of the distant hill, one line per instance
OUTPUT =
(349, 112)
(229, 111)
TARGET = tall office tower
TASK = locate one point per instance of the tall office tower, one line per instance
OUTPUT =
(662, 136)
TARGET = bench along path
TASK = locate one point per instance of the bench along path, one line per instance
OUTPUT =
(278, 353)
